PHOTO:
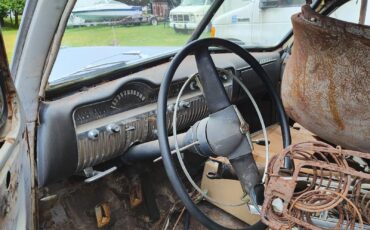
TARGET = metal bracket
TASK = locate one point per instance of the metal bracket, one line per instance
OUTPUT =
(93, 175)
(244, 126)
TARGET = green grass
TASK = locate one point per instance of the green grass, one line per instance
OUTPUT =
(144, 35)
(9, 36)
(9, 32)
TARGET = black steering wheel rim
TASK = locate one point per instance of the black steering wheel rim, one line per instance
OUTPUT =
(162, 120)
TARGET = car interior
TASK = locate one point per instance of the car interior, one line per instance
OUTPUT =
(208, 137)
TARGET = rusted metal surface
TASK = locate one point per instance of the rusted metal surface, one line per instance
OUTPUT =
(102, 214)
(323, 183)
(326, 82)
(15, 177)
(70, 204)
(160, 9)
(136, 193)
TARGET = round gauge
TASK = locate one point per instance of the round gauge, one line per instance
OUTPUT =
(127, 98)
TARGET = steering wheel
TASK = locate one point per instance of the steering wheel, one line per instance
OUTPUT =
(222, 133)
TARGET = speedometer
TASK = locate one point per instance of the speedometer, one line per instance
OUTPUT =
(127, 98)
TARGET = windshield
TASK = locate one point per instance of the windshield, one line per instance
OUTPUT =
(84, 3)
(193, 2)
(104, 35)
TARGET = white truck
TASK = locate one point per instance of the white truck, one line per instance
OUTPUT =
(257, 22)
(186, 17)
(188, 14)
(263, 23)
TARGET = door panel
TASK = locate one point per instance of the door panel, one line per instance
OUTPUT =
(15, 168)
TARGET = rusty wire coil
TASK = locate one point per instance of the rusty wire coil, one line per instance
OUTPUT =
(322, 182)
(362, 198)
(315, 202)
(351, 212)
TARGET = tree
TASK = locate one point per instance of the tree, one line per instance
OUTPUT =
(16, 6)
(4, 10)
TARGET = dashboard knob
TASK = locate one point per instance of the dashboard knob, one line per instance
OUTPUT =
(184, 104)
(93, 134)
(171, 108)
(113, 128)
(193, 85)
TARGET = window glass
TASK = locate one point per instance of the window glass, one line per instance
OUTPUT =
(106, 34)
(103, 35)
(350, 12)
(194, 2)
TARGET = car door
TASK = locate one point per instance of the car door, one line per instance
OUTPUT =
(16, 177)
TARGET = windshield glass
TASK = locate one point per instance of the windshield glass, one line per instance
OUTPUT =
(105, 35)
(193, 2)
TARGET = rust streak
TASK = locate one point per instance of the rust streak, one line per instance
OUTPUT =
(333, 104)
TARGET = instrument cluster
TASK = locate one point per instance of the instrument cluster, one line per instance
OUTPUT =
(130, 96)
(133, 95)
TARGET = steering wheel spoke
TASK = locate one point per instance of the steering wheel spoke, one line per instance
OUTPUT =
(213, 89)
(247, 172)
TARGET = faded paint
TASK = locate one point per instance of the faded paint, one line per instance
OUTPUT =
(15, 176)
(326, 81)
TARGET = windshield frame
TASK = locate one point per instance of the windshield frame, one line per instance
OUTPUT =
(58, 88)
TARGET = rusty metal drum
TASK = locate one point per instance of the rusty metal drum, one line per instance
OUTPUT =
(326, 82)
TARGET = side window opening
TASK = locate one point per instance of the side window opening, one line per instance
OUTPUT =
(350, 12)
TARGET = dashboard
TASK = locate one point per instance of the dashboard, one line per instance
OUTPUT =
(129, 117)
(101, 123)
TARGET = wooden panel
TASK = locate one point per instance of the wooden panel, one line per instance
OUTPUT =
(299, 134)
(229, 191)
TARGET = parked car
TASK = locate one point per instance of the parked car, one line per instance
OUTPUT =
(113, 127)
